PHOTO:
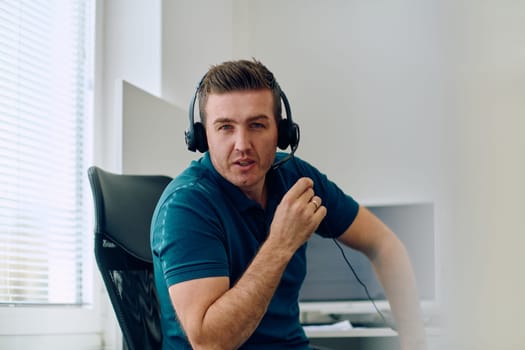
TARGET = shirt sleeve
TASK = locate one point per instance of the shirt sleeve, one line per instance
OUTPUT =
(187, 238)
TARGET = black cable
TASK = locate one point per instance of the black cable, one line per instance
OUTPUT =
(364, 286)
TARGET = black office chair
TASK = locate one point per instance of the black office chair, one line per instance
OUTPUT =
(124, 205)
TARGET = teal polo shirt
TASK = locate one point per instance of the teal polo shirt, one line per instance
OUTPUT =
(204, 226)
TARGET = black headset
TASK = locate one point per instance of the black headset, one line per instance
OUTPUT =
(288, 131)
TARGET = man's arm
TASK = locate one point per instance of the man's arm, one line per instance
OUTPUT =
(393, 268)
(215, 316)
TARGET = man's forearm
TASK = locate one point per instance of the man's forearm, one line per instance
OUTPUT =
(233, 318)
(394, 270)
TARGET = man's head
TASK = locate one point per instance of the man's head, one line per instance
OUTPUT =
(239, 75)
(240, 104)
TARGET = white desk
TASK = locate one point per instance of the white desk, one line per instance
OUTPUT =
(367, 338)
(354, 332)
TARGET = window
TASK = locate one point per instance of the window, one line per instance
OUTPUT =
(45, 144)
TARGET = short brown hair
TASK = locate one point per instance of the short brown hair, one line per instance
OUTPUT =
(237, 76)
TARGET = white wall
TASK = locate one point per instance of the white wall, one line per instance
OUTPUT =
(130, 46)
(196, 34)
(485, 238)
(363, 78)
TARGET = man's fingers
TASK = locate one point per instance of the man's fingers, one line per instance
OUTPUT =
(300, 188)
(316, 201)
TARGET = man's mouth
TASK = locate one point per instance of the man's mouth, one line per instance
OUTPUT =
(244, 162)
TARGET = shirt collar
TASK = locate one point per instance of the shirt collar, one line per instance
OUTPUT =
(236, 196)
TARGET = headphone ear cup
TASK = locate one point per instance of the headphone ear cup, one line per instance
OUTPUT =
(189, 137)
(283, 135)
(293, 135)
(288, 134)
(199, 137)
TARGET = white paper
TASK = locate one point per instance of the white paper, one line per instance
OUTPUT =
(339, 326)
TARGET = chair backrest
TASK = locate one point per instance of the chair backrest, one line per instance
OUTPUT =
(124, 206)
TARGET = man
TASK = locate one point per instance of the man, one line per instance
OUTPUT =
(229, 233)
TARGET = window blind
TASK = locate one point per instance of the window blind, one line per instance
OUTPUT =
(45, 74)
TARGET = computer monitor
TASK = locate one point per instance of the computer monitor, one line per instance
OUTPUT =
(330, 285)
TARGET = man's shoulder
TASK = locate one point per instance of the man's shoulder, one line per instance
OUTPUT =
(195, 178)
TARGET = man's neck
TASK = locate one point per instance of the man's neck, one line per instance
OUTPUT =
(260, 196)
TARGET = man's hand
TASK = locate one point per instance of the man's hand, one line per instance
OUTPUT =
(297, 216)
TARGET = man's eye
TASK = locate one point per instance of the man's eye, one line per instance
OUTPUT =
(258, 125)
(225, 127)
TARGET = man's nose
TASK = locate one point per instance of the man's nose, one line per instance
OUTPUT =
(242, 140)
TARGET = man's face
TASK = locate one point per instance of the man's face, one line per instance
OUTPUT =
(242, 137)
